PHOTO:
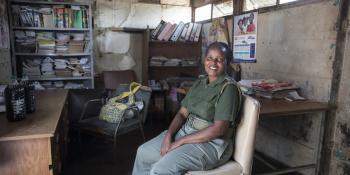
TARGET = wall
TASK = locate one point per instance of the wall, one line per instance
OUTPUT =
(5, 60)
(340, 157)
(295, 44)
(5, 64)
(130, 14)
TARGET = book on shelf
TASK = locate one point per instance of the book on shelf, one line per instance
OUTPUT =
(178, 31)
(55, 16)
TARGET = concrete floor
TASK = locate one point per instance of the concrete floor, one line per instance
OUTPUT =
(95, 155)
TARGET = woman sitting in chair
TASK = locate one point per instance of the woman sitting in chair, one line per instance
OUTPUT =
(200, 137)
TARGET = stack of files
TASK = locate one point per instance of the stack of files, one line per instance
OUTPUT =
(60, 64)
(71, 85)
(173, 62)
(63, 72)
(48, 18)
(26, 16)
(2, 98)
(62, 40)
(76, 46)
(270, 88)
(46, 43)
(158, 61)
(59, 84)
(189, 62)
(47, 84)
(74, 61)
(47, 67)
(25, 41)
(87, 69)
(31, 68)
(165, 31)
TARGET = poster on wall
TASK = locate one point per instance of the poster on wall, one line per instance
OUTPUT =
(4, 33)
(244, 37)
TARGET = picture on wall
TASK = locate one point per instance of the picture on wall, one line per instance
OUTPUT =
(245, 29)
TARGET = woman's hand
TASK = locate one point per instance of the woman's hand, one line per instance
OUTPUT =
(166, 144)
(176, 144)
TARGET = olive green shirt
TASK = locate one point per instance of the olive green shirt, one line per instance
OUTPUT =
(205, 101)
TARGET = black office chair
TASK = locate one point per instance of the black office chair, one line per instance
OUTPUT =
(131, 120)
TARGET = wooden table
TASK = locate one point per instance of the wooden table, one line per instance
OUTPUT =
(280, 108)
(29, 146)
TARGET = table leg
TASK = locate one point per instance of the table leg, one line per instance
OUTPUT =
(319, 144)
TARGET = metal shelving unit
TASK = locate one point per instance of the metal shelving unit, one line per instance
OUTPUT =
(58, 78)
(53, 54)
(18, 57)
(49, 29)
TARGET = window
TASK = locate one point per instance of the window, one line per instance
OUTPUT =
(202, 13)
(222, 9)
(176, 2)
(255, 4)
(286, 1)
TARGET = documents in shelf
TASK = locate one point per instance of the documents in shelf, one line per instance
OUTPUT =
(166, 31)
(59, 16)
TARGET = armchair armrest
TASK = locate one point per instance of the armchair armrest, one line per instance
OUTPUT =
(86, 104)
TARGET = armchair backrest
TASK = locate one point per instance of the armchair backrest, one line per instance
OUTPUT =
(144, 94)
(112, 79)
(245, 134)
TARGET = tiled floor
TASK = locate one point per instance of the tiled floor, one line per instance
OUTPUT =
(96, 156)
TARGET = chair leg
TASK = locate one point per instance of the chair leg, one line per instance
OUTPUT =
(142, 132)
(79, 142)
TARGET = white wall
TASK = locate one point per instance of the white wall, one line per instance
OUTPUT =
(123, 13)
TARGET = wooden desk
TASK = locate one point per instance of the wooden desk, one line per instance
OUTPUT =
(278, 108)
(31, 146)
(270, 108)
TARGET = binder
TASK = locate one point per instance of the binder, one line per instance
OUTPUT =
(189, 32)
(170, 32)
(164, 31)
(193, 32)
(158, 29)
(198, 32)
(177, 32)
(184, 31)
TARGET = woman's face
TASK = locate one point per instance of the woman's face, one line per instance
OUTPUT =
(214, 63)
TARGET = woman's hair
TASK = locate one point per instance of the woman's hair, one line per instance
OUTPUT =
(223, 48)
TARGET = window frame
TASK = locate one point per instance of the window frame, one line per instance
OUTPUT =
(238, 6)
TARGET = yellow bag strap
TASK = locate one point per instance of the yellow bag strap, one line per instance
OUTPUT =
(133, 88)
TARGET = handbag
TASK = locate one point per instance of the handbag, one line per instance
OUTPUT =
(115, 108)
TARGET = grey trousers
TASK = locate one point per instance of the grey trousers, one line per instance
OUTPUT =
(202, 156)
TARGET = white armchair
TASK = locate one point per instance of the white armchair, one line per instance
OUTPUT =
(242, 159)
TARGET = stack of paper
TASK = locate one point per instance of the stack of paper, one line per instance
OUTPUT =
(173, 62)
(71, 85)
(270, 88)
(31, 68)
(46, 43)
(62, 40)
(2, 98)
(158, 60)
(25, 41)
(47, 67)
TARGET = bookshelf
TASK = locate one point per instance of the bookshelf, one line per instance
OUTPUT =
(51, 42)
(170, 49)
